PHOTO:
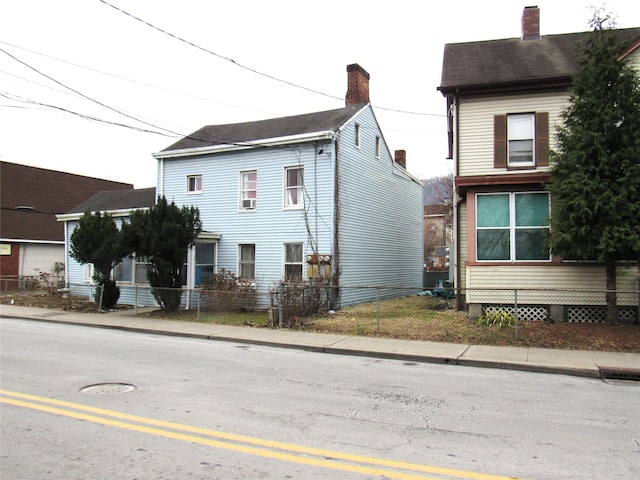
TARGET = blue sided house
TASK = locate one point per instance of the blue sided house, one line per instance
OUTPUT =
(311, 196)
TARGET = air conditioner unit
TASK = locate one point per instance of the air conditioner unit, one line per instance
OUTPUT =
(249, 204)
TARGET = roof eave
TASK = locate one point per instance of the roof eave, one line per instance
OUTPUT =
(554, 83)
(267, 142)
(125, 212)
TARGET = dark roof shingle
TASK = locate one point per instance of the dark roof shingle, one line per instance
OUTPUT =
(111, 200)
(552, 58)
(234, 133)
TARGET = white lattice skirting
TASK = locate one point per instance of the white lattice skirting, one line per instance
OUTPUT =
(582, 314)
(525, 312)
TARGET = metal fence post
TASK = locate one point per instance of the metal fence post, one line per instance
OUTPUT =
(515, 306)
(378, 308)
(101, 295)
(281, 306)
(135, 300)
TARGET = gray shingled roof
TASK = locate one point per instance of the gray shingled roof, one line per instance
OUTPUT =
(263, 129)
(495, 63)
(110, 200)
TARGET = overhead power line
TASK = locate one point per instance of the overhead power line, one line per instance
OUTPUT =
(125, 79)
(249, 69)
(87, 97)
(18, 98)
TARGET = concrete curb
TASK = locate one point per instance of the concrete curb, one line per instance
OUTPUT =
(567, 362)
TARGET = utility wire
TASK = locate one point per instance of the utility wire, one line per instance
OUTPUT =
(87, 97)
(13, 97)
(131, 80)
(252, 70)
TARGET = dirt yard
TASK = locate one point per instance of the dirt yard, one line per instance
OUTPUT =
(449, 326)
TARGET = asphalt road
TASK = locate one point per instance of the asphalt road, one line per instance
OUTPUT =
(199, 409)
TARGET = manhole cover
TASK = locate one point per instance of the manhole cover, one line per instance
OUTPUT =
(108, 388)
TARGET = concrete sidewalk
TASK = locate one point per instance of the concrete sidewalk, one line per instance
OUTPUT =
(571, 362)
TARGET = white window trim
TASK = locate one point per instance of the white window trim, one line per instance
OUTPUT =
(240, 245)
(241, 207)
(532, 137)
(300, 204)
(284, 259)
(87, 272)
(196, 191)
(512, 228)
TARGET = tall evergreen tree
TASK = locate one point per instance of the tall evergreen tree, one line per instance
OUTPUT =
(595, 178)
(96, 240)
(163, 235)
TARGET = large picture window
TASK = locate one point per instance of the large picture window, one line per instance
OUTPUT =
(512, 226)
(294, 184)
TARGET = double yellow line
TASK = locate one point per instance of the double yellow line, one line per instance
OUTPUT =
(250, 445)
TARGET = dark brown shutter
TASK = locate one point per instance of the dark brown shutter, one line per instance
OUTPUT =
(542, 139)
(500, 141)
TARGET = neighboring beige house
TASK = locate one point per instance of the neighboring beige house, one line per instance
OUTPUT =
(505, 99)
(32, 242)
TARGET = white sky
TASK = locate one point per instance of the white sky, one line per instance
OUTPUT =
(130, 67)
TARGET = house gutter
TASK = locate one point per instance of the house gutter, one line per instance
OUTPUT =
(267, 142)
(66, 217)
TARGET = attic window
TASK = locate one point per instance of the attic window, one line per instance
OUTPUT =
(377, 147)
(357, 135)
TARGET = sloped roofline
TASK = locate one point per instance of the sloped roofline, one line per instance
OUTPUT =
(513, 63)
(287, 130)
(263, 143)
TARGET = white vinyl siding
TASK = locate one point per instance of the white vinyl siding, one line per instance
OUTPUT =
(475, 135)
(587, 277)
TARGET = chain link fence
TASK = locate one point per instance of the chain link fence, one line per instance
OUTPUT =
(441, 313)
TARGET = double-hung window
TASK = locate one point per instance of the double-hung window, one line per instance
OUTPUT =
(512, 226)
(294, 185)
(521, 134)
(194, 184)
(521, 140)
(292, 262)
(247, 262)
(248, 190)
(205, 262)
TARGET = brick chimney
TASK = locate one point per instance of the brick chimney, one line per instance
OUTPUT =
(400, 157)
(357, 85)
(531, 23)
